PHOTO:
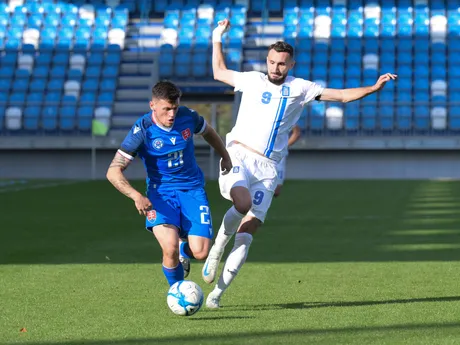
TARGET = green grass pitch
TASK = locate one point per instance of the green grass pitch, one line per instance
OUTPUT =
(337, 262)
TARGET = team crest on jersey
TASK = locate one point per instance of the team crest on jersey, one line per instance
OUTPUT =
(158, 143)
(152, 216)
(285, 90)
(186, 134)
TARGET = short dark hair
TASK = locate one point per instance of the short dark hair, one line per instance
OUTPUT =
(282, 47)
(167, 91)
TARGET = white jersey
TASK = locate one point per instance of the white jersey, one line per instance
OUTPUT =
(268, 112)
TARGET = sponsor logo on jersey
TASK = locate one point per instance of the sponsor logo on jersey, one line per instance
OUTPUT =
(236, 169)
(136, 129)
(158, 143)
(186, 134)
(173, 140)
(152, 216)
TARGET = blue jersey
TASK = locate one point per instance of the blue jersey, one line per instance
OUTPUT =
(168, 153)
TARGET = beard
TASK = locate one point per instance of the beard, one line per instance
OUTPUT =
(277, 81)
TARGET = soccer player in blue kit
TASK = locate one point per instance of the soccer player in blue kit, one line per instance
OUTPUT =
(176, 205)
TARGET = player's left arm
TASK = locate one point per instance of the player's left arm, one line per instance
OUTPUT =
(214, 140)
(295, 135)
(354, 94)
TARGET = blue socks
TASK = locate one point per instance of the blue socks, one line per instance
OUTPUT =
(185, 251)
(174, 274)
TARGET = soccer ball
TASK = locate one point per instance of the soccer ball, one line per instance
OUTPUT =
(185, 298)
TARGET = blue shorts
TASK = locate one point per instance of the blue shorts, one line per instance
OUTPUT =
(188, 210)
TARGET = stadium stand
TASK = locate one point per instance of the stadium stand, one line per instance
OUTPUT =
(60, 62)
(338, 44)
(53, 55)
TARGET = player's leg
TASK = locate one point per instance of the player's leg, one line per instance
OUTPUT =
(184, 255)
(280, 169)
(278, 190)
(235, 187)
(196, 223)
(168, 237)
(262, 198)
(164, 222)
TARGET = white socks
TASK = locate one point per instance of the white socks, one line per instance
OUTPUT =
(235, 260)
(230, 223)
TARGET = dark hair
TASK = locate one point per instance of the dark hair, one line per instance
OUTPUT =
(282, 47)
(167, 91)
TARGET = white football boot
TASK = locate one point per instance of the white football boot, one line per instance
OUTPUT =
(213, 301)
(212, 264)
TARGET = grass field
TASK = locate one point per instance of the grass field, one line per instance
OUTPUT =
(337, 262)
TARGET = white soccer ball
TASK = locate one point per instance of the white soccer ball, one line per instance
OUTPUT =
(185, 298)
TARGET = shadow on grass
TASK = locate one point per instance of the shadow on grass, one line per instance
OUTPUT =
(208, 318)
(313, 305)
(262, 336)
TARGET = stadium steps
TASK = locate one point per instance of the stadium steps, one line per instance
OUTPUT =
(137, 74)
(260, 34)
(144, 36)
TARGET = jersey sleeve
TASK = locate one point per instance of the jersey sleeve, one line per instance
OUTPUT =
(311, 91)
(133, 141)
(199, 122)
(244, 80)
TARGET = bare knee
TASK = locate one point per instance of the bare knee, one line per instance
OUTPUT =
(241, 199)
(249, 225)
(199, 247)
(171, 252)
(202, 255)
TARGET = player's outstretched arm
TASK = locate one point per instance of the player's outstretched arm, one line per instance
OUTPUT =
(213, 139)
(219, 68)
(118, 180)
(295, 135)
(350, 95)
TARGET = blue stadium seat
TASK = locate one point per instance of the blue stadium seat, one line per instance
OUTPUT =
(113, 59)
(35, 99)
(69, 100)
(84, 118)
(75, 74)
(17, 99)
(454, 118)
(105, 99)
(386, 117)
(31, 118)
(20, 85)
(93, 72)
(87, 99)
(2, 116)
(110, 72)
(108, 85)
(317, 116)
(351, 114)
(91, 85)
(67, 118)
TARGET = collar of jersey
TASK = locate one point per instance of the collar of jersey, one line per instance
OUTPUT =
(154, 120)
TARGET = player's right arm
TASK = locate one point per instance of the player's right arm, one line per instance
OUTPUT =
(120, 162)
(219, 68)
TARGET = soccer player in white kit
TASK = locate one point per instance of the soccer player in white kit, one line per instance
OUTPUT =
(270, 106)
(281, 167)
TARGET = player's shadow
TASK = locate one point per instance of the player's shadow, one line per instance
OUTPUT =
(264, 336)
(208, 318)
(338, 304)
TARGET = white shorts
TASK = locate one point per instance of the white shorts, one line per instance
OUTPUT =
(281, 170)
(256, 173)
